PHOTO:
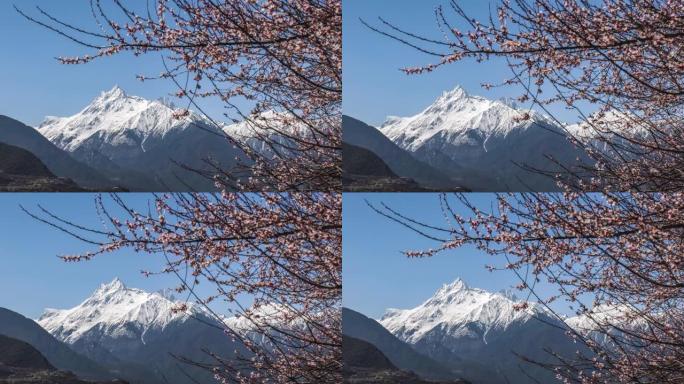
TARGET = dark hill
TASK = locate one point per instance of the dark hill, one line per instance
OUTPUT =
(59, 163)
(364, 171)
(399, 353)
(361, 161)
(366, 364)
(401, 162)
(57, 353)
(21, 171)
(21, 363)
(18, 161)
(362, 354)
(18, 354)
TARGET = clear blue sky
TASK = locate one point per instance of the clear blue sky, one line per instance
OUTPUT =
(374, 88)
(32, 277)
(376, 276)
(34, 84)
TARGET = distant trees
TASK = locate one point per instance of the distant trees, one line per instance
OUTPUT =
(280, 250)
(616, 255)
(622, 55)
(283, 56)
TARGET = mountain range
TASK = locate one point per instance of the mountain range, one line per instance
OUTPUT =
(400, 354)
(142, 144)
(458, 335)
(468, 333)
(141, 336)
(470, 142)
(130, 334)
(125, 142)
(371, 161)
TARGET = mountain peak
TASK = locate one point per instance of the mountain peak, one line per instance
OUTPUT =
(458, 93)
(113, 286)
(453, 100)
(114, 93)
(453, 293)
(510, 102)
(168, 293)
(510, 294)
(457, 285)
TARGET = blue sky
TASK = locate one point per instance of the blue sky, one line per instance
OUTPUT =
(32, 277)
(376, 276)
(35, 85)
(374, 88)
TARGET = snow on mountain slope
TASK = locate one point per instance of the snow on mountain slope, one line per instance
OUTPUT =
(270, 131)
(251, 133)
(599, 315)
(119, 119)
(604, 321)
(455, 305)
(612, 125)
(111, 306)
(454, 114)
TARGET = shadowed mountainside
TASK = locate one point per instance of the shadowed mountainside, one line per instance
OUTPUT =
(21, 171)
(57, 161)
(401, 162)
(21, 363)
(62, 357)
(365, 364)
(363, 170)
(399, 353)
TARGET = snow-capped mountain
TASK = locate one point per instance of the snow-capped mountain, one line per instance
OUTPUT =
(112, 305)
(269, 132)
(599, 315)
(135, 333)
(455, 113)
(461, 327)
(476, 139)
(140, 142)
(454, 305)
(116, 119)
(250, 133)
(607, 123)
(603, 322)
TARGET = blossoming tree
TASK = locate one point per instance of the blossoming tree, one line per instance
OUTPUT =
(283, 57)
(281, 250)
(615, 258)
(624, 56)
(616, 255)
